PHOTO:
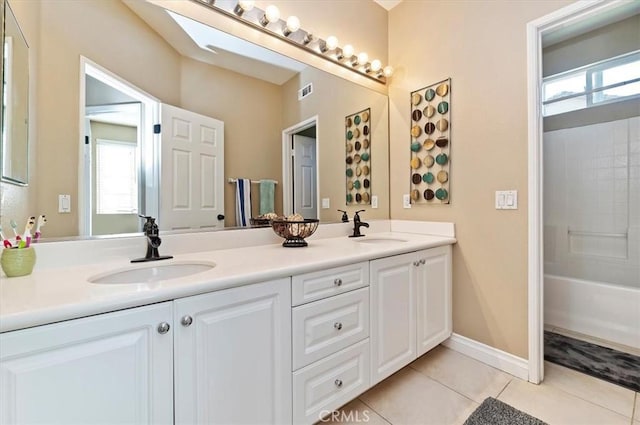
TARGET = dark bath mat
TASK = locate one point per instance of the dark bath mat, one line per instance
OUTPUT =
(495, 412)
(605, 363)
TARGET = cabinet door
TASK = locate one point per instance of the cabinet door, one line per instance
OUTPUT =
(393, 315)
(113, 368)
(434, 297)
(233, 356)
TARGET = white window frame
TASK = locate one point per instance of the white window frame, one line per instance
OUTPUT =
(592, 91)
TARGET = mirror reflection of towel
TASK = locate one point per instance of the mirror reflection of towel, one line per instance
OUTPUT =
(267, 196)
(243, 202)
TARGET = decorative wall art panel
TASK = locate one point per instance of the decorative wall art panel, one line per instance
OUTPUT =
(431, 144)
(358, 157)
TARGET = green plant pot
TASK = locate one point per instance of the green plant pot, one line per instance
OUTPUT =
(18, 262)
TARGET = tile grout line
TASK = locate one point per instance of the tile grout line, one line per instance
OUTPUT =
(633, 408)
(442, 383)
(376, 412)
(504, 388)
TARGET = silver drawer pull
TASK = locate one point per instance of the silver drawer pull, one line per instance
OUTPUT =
(337, 282)
(423, 261)
(337, 325)
(416, 263)
(186, 320)
(338, 383)
(163, 328)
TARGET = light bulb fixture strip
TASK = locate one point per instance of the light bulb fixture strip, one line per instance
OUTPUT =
(293, 34)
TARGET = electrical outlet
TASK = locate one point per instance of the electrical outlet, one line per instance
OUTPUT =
(406, 200)
(374, 201)
(326, 203)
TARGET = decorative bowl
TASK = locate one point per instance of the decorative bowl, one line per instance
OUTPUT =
(294, 232)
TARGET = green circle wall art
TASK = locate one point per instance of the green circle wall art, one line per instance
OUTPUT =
(430, 144)
(358, 157)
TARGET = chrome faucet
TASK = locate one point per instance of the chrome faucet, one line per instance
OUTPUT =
(152, 233)
(357, 224)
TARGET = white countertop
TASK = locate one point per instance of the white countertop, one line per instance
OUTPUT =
(53, 295)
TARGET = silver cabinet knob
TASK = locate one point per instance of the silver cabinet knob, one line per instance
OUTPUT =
(186, 320)
(416, 263)
(338, 382)
(423, 261)
(337, 282)
(163, 328)
(337, 325)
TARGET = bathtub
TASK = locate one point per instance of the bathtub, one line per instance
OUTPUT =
(606, 311)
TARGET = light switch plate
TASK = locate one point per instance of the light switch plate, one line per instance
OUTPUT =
(374, 201)
(64, 204)
(326, 203)
(506, 199)
(406, 201)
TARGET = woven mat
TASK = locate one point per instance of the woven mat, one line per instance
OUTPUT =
(495, 412)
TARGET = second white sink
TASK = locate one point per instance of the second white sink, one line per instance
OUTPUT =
(153, 273)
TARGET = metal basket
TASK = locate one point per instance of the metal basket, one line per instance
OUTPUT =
(294, 232)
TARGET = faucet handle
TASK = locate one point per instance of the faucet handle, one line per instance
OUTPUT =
(345, 217)
(357, 214)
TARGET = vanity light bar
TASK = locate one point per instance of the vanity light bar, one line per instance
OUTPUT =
(290, 31)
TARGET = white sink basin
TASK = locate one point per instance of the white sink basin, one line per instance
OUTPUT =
(152, 273)
(379, 240)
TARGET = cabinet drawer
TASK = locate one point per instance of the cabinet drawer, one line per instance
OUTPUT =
(329, 383)
(326, 326)
(314, 286)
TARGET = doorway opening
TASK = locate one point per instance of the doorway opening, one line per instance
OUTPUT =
(119, 174)
(300, 169)
(578, 18)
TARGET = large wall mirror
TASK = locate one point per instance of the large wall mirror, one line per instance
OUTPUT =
(108, 70)
(14, 120)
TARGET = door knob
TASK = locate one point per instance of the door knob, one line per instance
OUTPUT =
(220, 216)
(163, 328)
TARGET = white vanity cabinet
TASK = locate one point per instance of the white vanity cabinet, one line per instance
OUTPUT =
(218, 358)
(233, 356)
(330, 340)
(111, 368)
(410, 308)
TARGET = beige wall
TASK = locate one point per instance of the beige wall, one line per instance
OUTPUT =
(332, 100)
(19, 202)
(252, 113)
(481, 45)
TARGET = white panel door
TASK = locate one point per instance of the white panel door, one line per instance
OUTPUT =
(305, 187)
(113, 368)
(192, 170)
(233, 361)
(434, 297)
(393, 315)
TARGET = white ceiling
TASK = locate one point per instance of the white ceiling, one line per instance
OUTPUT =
(388, 4)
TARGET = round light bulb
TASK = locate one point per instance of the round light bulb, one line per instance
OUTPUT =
(388, 71)
(363, 58)
(271, 13)
(332, 42)
(293, 23)
(376, 65)
(348, 51)
(246, 5)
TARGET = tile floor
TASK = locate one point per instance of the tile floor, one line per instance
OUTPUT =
(444, 387)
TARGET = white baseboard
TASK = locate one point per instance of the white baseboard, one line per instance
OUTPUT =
(493, 357)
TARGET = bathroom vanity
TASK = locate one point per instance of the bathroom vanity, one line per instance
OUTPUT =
(268, 335)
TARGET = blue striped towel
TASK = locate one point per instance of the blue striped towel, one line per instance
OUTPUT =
(243, 202)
